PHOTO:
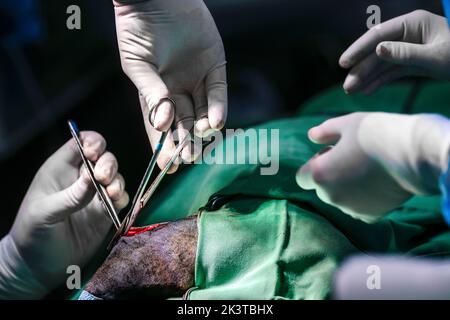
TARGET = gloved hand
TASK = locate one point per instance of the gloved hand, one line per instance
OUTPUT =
(60, 222)
(378, 161)
(392, 278)
(415, 44)
(172, 48)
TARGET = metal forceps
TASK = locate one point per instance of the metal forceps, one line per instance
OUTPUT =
(101, 191)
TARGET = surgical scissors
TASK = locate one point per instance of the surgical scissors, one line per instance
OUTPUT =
(141, 198)
(142, 195)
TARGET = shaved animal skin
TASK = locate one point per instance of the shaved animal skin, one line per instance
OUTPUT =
(154, 264)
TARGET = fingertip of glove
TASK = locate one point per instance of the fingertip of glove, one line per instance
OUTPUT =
(383, 50)
(163, 116)
(345, 62)
(313, 134)
(217, 123)
(202, 128)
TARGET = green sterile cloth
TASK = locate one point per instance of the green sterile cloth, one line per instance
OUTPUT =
(275, 240)
(335, 101)
(422, 97)
(270, 249)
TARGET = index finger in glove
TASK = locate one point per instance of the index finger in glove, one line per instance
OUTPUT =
(93, 146)
(329, 131)
(390, 30)
(313, 172)
(364, 72)
(106, 168)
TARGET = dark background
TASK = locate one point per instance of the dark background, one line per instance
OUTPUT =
(280, 53)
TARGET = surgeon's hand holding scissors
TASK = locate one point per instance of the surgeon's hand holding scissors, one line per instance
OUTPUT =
(172, 49)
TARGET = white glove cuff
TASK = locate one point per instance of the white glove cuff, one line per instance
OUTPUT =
(16, 279)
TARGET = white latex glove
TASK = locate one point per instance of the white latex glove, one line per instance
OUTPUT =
(388, 278)
(60, 222)
(415, 44)
(378, 161)
(172, 48)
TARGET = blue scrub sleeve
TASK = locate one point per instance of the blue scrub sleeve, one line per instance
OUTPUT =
(446, 5)
(444, 185)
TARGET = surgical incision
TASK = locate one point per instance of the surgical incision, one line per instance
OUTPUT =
(153, 264)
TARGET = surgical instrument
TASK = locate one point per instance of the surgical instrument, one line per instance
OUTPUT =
(142, 198)
(101, 191)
